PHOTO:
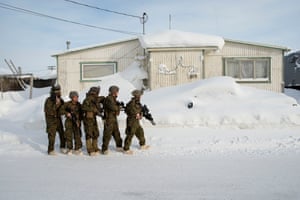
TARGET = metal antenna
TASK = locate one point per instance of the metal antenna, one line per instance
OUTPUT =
(144, 19)
(170, 21)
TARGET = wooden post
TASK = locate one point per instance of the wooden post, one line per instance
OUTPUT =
(1, 88)
(31, 86)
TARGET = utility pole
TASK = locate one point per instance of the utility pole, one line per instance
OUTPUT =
(144, 19)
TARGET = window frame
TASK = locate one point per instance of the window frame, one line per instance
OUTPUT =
(82, 64)
(253, 59)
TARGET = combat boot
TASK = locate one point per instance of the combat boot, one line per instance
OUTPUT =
(93, 154)
(69, 152)
(78, 152)
(144, 147)
(128, 152)
(95, 146)
(119, 149)
(52, 153)
(105, 152)
(63, 150)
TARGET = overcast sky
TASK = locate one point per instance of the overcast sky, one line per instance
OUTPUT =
(31, 40)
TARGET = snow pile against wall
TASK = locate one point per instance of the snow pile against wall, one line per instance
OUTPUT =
(128, 80)
(216, 103)
(135, 74)
(174, 38)
(220, 102)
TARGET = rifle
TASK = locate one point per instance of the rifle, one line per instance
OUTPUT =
(121, 104)
(76, 127)
(99, 105)
(146, 113)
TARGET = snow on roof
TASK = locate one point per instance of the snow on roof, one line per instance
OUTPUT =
(174, 38)
(46, 74)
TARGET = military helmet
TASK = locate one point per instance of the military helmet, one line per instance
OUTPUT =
(73, 94)
(94, 90)
(113, 89)
(55, 88)
(137, 93)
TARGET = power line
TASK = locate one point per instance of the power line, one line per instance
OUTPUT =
(103, 9)
(22, 10)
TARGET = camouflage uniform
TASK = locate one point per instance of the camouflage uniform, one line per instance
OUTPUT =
(111, 127)
(72, 123)
(91, 110)
(53, 119)
(133, 127)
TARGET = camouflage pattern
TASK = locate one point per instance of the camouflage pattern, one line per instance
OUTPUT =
(53, 121)
(137, 93)
(133, 127)
(111, 127)
(72, 124)
(90, 111)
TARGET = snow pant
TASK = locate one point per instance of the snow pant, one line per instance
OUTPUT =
(72, 132)
(133, 128)
(111, 128)
(91, 134)
(55, 125)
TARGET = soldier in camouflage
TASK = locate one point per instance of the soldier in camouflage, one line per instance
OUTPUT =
(73, 112)
(90, 111)
(53, 119)
(133, 127)
(111, 127)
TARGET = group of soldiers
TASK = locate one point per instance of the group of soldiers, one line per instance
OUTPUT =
(93, 105)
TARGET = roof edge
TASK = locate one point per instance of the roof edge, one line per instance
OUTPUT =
(92, 46)
(258, 44)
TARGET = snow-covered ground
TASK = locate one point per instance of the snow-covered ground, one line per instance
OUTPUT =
(234, 143)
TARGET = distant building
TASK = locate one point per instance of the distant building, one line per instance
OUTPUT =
(172, 58)
(292, 70)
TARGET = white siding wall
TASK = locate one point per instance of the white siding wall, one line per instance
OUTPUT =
(170, 60)
(123, 53)
(214, 62)
(69, 64)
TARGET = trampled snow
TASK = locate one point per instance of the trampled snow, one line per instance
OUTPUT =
(236, 142)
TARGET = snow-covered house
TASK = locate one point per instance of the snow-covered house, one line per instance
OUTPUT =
(174, 57)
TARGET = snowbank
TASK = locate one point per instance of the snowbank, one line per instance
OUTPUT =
(220, 102)
(128, 80)
(216, 102)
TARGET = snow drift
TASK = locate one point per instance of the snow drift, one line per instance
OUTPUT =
(221, 102)
(217, 102)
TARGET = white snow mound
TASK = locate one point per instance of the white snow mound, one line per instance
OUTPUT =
(221, 102)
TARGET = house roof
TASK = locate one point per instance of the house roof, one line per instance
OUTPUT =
(258, 44)
(68, 51)
(174, 39)
(179, 39)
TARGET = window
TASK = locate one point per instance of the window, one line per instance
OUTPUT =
(248, 69)
(94, 71)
